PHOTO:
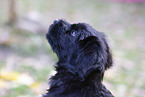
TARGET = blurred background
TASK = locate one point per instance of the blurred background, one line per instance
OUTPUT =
(26, 58)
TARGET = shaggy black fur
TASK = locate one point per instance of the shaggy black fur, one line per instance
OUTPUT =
(83, 56)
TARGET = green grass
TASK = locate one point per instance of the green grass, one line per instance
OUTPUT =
(39, 74)
(20, 90)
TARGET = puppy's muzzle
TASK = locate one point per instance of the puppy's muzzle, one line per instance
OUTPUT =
(56, 21)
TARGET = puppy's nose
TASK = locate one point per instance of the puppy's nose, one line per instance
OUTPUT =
(55, 21)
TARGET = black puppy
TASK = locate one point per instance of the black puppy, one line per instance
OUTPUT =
(83, 56)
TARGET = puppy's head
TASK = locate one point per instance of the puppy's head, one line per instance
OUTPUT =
(78, 43)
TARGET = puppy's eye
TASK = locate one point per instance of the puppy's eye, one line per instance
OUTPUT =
(73, 33)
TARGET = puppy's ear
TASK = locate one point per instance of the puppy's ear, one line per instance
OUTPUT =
(95, 56)
(89, 41)
(91, 58)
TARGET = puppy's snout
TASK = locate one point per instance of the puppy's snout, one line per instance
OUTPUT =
(55, 21)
